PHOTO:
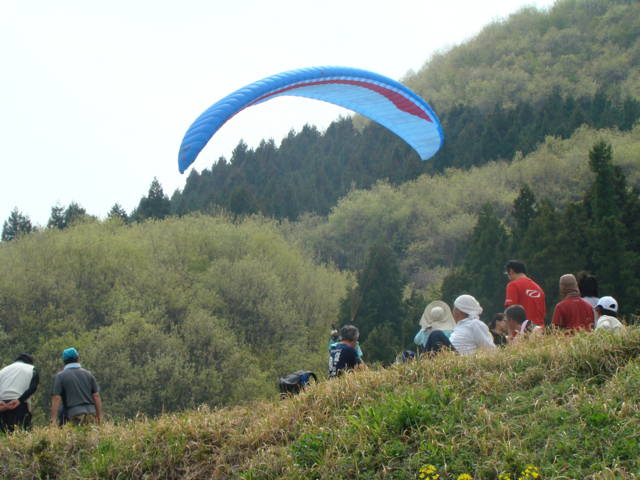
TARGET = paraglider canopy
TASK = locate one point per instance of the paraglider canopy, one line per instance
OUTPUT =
(375, 96)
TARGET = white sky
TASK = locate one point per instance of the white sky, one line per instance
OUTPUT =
(95, 97)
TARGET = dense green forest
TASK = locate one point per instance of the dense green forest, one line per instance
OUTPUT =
(426, 221)
(236, 279)
(168, 315)
(311, 170)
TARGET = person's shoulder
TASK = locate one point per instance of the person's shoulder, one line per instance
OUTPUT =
(348, 349)
(344, 346)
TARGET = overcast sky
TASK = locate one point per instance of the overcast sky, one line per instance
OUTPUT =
(95, 97)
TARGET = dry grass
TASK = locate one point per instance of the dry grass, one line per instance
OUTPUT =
(567, 405)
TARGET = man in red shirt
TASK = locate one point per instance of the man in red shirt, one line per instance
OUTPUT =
(521, 290)
(573, 312)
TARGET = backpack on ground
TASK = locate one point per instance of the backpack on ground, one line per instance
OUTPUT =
(295, 382)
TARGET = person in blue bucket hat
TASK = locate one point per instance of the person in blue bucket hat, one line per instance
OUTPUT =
(76, 391)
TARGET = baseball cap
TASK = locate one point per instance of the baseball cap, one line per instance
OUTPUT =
(608, 303)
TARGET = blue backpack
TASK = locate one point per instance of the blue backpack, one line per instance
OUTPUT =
(295, 382)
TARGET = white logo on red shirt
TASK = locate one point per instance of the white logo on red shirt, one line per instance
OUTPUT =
(532, 293)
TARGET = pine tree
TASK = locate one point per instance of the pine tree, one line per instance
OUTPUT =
(486, 255)
(56, 219)
(242, 202)
(155, 205)
(524, 211)
(608, 199)
(16, 225)
(117, 212)
(376, 305)
(74, 213)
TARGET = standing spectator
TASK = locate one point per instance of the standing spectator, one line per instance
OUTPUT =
(521, 290)
(343, 356)
(573, 312)
(18, 381)
(470, 332)
(75, 389)
(607, 314)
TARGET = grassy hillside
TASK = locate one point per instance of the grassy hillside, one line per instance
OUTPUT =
(567, 406)
(577, 47)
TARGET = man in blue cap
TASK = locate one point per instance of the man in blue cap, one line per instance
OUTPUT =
(77, 391)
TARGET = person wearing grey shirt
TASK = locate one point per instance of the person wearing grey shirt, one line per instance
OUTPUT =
(76, 390)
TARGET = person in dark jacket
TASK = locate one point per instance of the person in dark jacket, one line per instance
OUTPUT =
(76, 390)
(343, 356)
(18, 381)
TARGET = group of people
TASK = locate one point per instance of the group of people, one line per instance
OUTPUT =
(75, 396)
(460, 329)
(580, 308)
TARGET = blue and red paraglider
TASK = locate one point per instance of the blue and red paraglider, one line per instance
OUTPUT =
(378, 98)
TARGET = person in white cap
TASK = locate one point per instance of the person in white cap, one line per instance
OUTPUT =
(606, 313)
(437, 316)
(470, 332)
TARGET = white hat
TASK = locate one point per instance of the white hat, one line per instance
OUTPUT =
(437, 315)
(468, 305)
(608, 303)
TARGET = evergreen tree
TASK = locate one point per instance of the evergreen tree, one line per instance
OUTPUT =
(607, 200)
(524, 211)
(74, 213)
(376, 305)
(56, 219)
(155, 205)
(456, 283)
(485, 258)
(16, 225)
(117, 212)
(543, 252)
(242, 202)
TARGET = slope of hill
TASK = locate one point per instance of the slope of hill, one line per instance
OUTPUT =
(560, 407)
(577, 47)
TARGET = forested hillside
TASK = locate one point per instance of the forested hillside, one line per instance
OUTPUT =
(535, 74)
(571, 206)
(577, 47)
(168, 315)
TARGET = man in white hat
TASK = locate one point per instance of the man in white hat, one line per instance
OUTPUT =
(470, 332)
(607, 313)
